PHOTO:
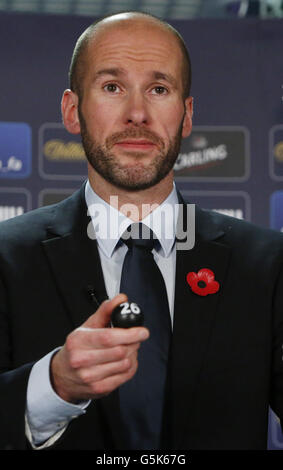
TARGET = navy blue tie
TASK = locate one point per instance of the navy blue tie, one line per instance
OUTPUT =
(142, 398)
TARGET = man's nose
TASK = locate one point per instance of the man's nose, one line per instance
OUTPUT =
(136, 111)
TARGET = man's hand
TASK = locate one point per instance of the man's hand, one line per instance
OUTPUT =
(96, 359)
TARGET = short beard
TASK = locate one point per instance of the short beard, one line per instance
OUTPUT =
(134, 177)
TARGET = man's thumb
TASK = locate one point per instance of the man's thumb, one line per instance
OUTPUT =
(101, 318)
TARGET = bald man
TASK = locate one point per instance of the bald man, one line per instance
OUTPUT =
(62, 366)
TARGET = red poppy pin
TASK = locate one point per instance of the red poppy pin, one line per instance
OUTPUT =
(203, 282)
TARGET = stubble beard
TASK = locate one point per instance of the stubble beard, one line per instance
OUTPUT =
(135, 176)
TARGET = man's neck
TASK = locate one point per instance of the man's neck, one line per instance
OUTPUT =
(134, 204)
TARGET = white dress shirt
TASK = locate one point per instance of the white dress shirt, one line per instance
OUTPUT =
(47, 415)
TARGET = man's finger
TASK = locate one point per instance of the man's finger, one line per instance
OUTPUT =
(106, 338)
(91, 357)
(101, 318)
(108, 384)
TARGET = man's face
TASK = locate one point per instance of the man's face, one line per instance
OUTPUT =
(132, 114)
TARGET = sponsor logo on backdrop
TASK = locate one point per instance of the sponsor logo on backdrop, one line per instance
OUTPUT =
(15, 152)
(238, 213)
(214, 154)
(276, 152)
(61, 154)
(232, 203)
(14, 202)
(58, 149)
(276, 211)
(8, 212)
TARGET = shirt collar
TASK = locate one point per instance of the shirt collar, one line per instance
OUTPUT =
(109, 224)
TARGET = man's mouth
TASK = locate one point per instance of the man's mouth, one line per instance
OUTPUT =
(136, 144)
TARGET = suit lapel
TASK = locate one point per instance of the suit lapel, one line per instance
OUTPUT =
(194, 316)
(74, 260)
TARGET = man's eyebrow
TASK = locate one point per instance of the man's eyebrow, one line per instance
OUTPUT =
(157, 75)
(114, 71)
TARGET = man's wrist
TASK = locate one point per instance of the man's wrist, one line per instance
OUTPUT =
(46, 411)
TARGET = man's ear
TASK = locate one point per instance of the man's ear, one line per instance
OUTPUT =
(187, 123)
(69, 109)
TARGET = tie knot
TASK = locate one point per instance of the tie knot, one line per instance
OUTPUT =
(139, 235)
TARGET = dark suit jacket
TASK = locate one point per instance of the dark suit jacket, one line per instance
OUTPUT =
(226, 360)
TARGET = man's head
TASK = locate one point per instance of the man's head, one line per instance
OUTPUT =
(79, 57)
(128, 99)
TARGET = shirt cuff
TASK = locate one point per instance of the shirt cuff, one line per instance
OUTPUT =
(46, 413)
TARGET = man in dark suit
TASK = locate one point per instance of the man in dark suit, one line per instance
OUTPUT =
(61, 365)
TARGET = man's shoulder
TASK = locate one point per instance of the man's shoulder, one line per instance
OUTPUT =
(26, 228)
(237, 232)
(211, 224)
(34, 225)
